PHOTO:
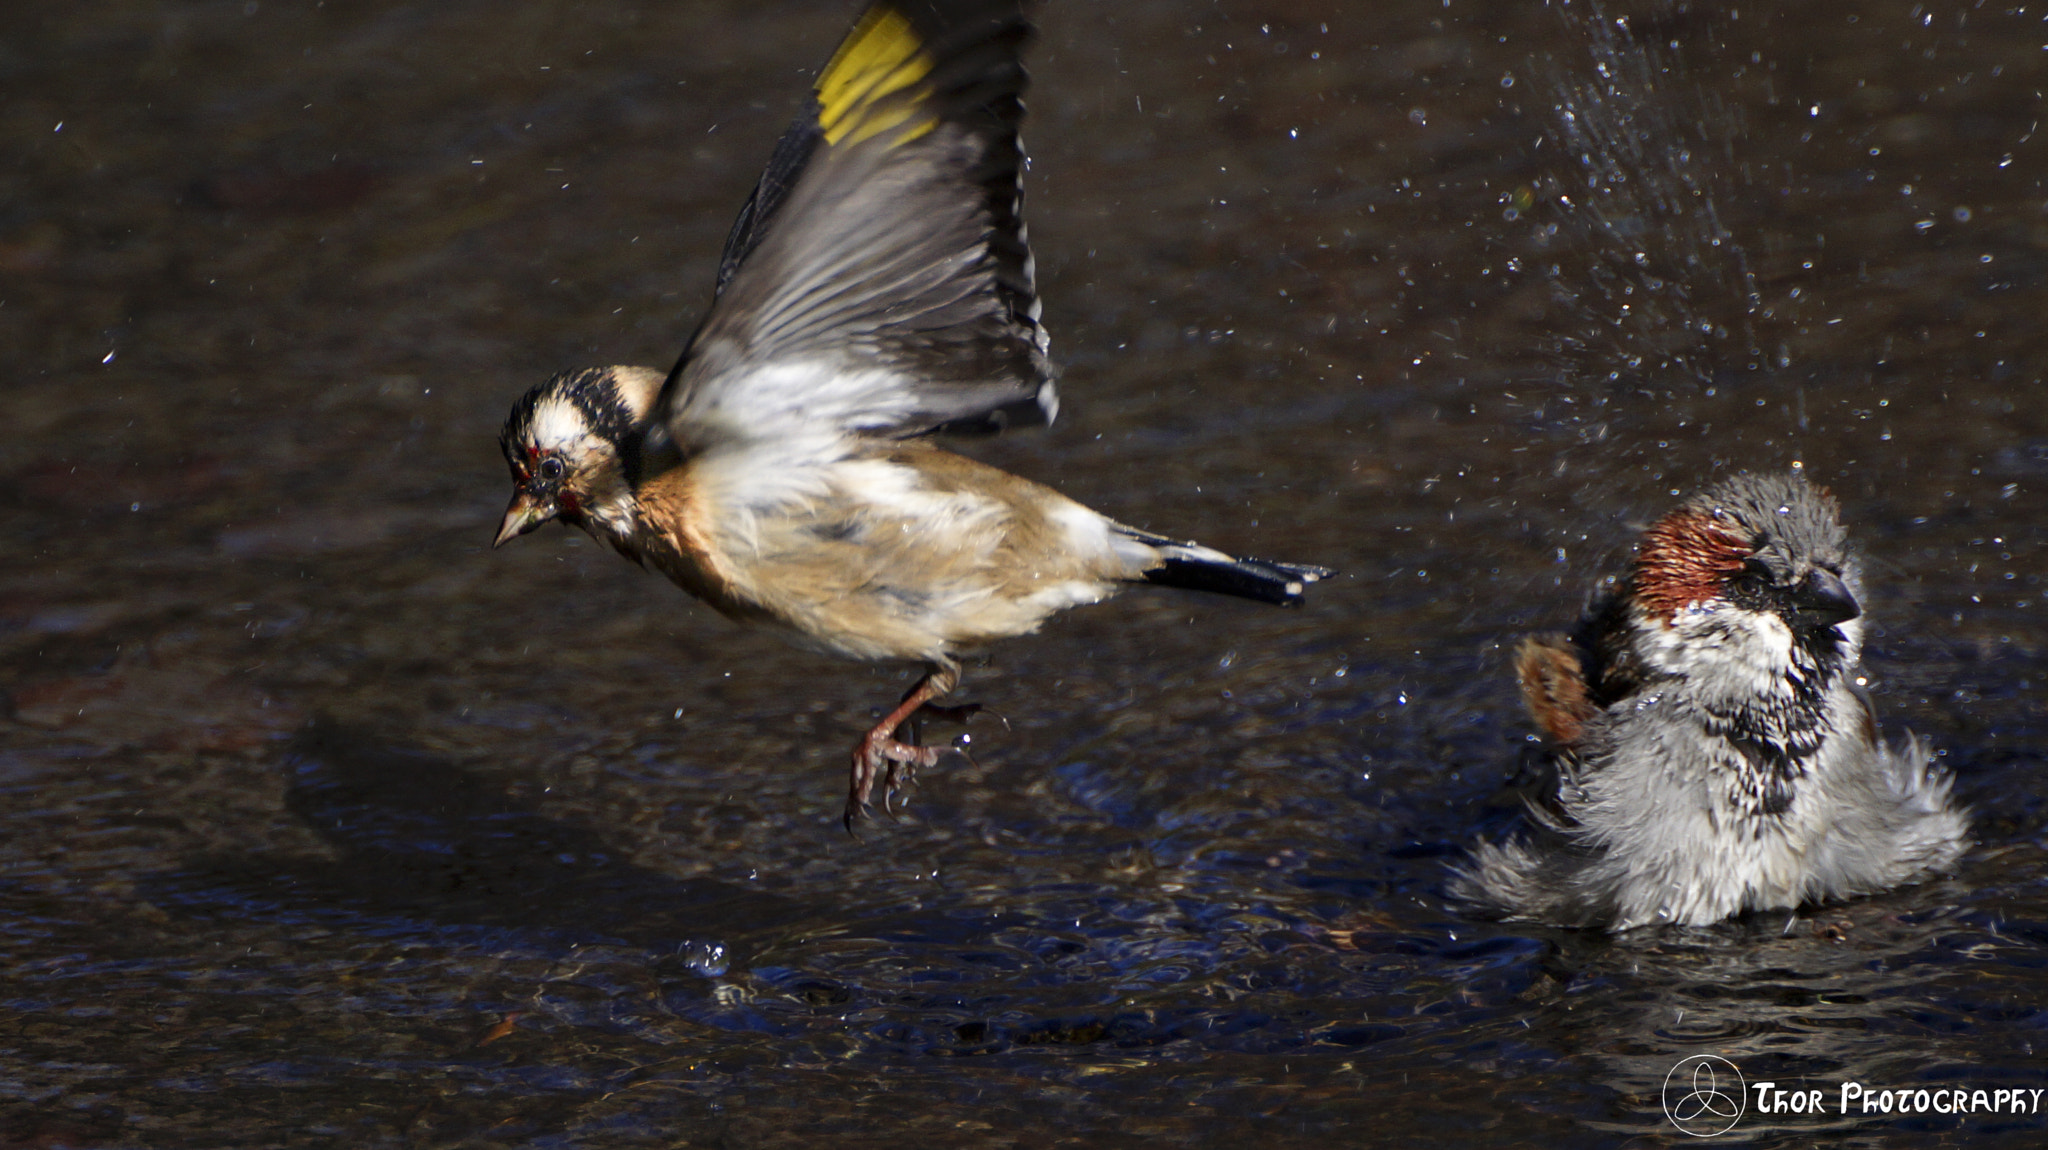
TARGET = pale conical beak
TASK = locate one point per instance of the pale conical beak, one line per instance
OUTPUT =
(525, 514)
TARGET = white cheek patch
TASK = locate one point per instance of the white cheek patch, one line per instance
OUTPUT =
(1758, 638)
(1725, 649)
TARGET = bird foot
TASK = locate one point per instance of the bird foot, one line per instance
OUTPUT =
(895, 762)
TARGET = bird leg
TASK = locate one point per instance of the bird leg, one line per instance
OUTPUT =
(902, 756)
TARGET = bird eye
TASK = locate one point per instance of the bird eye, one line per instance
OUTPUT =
(1753, 578)
(551, 468)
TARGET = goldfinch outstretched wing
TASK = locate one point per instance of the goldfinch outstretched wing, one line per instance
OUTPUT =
(879, 279)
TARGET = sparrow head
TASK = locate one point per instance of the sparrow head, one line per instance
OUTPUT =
(573, 445)
(1753, 574)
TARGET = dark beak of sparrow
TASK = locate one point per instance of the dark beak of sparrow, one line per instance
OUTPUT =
(1823, 601)
(527, 512)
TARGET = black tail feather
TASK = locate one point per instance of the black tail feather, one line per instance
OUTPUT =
(1244, 578)
(1197, 568)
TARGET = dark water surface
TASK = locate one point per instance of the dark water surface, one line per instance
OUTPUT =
(327, 826)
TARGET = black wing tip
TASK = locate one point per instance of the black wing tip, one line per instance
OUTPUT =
(948, 24)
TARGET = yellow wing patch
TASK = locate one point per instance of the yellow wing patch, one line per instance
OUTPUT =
(870, 87)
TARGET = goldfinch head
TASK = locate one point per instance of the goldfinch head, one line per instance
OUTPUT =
(570, 444)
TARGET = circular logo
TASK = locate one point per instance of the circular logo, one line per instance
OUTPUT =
(1703, 1095)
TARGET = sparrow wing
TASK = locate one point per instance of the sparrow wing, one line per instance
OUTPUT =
(1554, 688)
(879, 280)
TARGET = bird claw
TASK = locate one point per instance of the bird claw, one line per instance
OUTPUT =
(896, 762)
(895, 778)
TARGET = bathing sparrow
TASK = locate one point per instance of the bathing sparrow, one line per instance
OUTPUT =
(1710, 751)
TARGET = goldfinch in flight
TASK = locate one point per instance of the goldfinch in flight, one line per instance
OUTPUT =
(876, 289)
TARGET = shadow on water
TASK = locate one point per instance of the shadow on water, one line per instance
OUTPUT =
(421, 845)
